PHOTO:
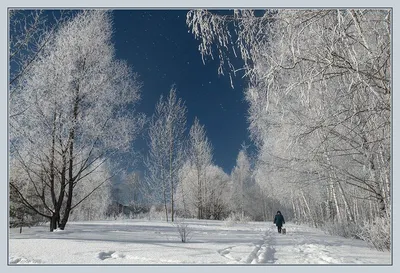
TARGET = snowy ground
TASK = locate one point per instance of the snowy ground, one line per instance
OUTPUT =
(212, 242)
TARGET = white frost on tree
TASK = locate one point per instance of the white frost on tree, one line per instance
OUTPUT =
(94, 193)
(78, 102)
(216, 192)
(241, 179)
(166, 150)
(319, 103)
(200, 157)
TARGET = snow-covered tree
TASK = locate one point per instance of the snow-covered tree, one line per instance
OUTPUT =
(216, 192)
(30, 34)
(78, 102)
(166, 155)
(319, 111)
(200, 157)
(94, 195)
(184, 193)
(319, 102)
(241, 179)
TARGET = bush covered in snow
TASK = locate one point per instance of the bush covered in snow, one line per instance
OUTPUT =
(184, 231)
(157, 213)
(235, 218)
(230, 220)
(344, 229)
(377, 233)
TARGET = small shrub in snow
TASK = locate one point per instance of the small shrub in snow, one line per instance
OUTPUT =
(235, 218)
(120, 216)
(184, 231)
(377, 233)
(343, 229)
(157, 214)
(231, 220)
(244, 219)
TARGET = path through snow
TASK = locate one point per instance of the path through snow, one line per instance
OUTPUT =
(156, 242)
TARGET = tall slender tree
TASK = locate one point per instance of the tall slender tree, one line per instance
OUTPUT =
(166, 156)
(241, 178)
(200, 156)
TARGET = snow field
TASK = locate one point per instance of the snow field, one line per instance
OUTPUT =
(212, 242)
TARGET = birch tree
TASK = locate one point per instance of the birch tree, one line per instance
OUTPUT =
(166, 156)
(319, 101)
(241, 179)
(78, 102)
(200, 156)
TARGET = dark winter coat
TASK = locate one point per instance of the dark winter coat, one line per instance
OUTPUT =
(279, 220)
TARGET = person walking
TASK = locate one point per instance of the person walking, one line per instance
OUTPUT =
(279, 221)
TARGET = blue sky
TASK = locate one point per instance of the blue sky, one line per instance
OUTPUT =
(157, 44)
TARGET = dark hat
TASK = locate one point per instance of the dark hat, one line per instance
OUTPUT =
(278, 212)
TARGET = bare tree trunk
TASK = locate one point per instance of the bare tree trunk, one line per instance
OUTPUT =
(296, 216)
(165, 205)
(171, 179)
(310, 216)
(54, 221)
(184, 202)
(356, 212)
(386, 180)
(71, 179)
(199, 196)
(332, 178)
(265, 205)
(378, 190)
(164, 195)
(371, 210)
(349, 213)
(332, 187)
